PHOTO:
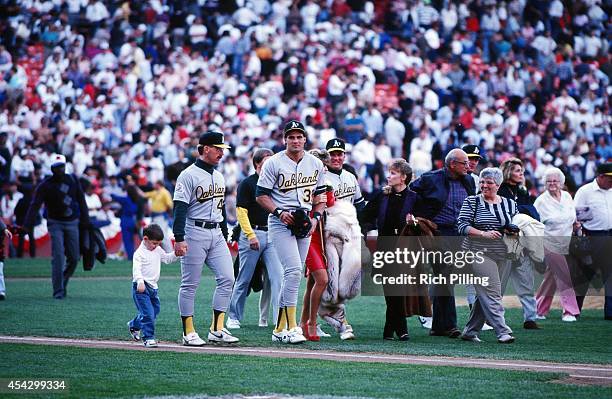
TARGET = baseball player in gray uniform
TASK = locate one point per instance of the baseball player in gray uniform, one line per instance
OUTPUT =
(199, 217)
(344, 183)
(286, 189)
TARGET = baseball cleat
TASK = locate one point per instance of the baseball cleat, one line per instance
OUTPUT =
(150, 343)
(193, 339)
(295, 336)
(232, 324)
(134, 332)
(279, 336)
(223, 336)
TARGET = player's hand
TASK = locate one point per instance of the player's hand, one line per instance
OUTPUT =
(254, 243)
(140, 288)
(8, 234)
(492, 234)
(180, 248)
(287, 218)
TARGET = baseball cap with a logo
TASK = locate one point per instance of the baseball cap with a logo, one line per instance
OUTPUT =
(472, 151)
(335, 145)
(294, 125)
(215, 139)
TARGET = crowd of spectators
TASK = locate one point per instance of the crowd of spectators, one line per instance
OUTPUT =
(125, 88)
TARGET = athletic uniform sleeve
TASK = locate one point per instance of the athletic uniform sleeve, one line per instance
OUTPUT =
(182, 196)
(267, 179)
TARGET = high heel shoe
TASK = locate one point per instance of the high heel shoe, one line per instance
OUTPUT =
(313, 338)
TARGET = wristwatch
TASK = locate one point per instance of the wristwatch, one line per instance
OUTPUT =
(277, 212)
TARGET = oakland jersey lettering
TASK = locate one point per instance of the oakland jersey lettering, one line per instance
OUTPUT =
(294, 181)
(206, 194)
(345, 191)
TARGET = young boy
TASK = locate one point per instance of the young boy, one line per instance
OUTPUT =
(146, 268)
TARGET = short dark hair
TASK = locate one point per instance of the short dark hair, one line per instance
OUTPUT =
(153, 232)
(260, 154)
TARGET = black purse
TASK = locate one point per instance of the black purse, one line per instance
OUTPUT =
(580, 245)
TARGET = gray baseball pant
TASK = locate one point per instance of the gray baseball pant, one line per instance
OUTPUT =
(292, 254)
(205, 246)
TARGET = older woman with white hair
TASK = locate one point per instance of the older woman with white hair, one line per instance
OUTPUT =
(558, 213)
(482, 218)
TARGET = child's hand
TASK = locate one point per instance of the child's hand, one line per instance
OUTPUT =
(140, 288)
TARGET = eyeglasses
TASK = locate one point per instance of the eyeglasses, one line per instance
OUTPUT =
(464, 163)
(552, 182)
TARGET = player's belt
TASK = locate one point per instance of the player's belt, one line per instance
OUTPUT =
(257, 227)
(205, 225)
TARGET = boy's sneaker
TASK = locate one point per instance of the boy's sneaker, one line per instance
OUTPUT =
(232, 324)
(134, 332)
(193, 339)
(150, 343)
(222, 336)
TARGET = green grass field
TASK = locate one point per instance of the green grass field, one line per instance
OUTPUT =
(99, 304)
(115, 373)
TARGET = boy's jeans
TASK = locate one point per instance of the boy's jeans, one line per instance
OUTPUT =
(148, 307)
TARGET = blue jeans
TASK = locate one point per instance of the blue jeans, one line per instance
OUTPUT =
(248, 261)
(148, 306)
(65, 253)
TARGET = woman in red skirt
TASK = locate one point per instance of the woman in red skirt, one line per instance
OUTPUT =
(316, 263)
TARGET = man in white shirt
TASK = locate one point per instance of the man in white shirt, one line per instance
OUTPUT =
(594, 211)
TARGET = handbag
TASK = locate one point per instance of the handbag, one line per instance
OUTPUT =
(580, 245)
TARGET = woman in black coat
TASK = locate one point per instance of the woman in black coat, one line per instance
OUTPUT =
(388, 212)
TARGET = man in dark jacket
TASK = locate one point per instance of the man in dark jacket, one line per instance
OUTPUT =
(64, 200)
(440, 197)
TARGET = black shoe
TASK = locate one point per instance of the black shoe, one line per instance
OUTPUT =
(404, 337)
(388, 338)
(2, 297)
(531, 325)
(452, 333)
(606, 317)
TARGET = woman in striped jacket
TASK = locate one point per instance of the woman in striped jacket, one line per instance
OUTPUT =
(482, 218)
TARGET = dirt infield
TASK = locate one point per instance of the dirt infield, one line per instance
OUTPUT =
(581, 374)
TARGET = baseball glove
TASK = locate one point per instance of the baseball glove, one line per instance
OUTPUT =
(302, 225)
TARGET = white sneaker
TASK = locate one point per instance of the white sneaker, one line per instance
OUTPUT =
(426, 322)
(568, 318)
(506, 339)
(150, 343)
(280, 336)
(134, 332)
(322, 333)
(295, 336)
(222, 336)
(347, 335)
(486, 327)
(193, 339)
(538, 317)
(232, 324)
(263, 323)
